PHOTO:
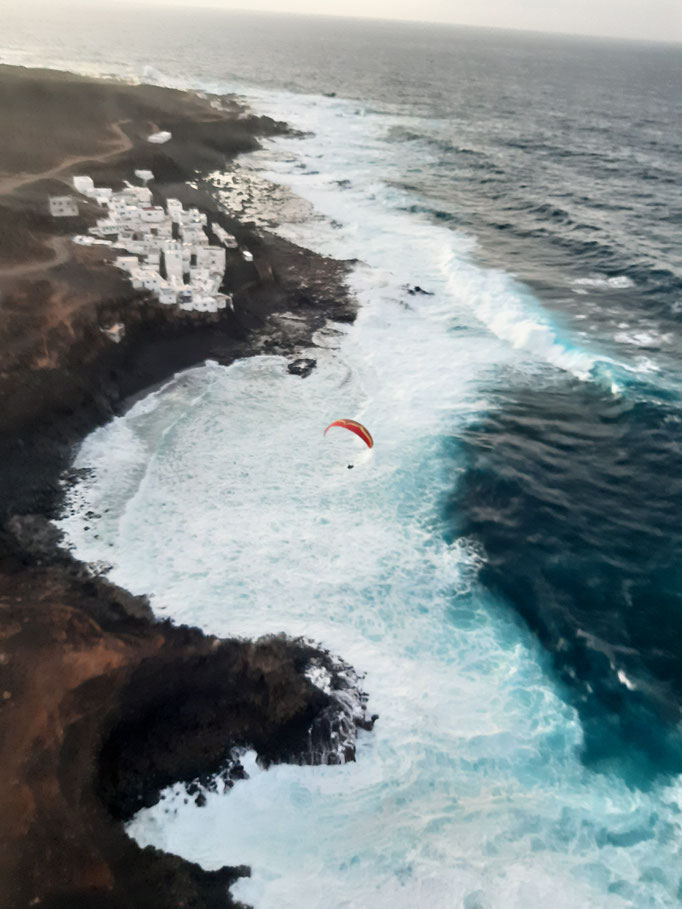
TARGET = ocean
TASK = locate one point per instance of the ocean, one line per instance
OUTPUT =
(504, 567)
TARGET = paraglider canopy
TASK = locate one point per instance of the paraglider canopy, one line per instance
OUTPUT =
(355, 427)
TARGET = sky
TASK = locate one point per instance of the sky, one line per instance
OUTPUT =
(658, 20)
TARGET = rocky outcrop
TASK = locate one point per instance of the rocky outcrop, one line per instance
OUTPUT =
(100, 709)
(101, 706)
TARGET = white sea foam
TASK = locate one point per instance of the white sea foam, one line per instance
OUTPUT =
(602, 282)
(223, 500)
(228, 504)
(643, 338)
(241, 517)
(373, 224)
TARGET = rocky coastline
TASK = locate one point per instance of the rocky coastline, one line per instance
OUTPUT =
(101, 705)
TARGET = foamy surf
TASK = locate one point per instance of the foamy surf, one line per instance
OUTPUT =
(470, 787)
(470, 790)
(230, 507)
(336, 170)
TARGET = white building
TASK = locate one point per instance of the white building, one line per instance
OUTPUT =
(121, 204)
(127, 263)
(146, 278)
(172, 259)
(144, 175)
(199, 275)
(174, 209)
(164, 230)
(145, 232)
(134, 246)
(102, 195)
(194, 235)
(160, 137)
(168, 295)
(63, 207)
(152, 214)
(84, 185)
(87, 240)
(106, 227)
(133, 195)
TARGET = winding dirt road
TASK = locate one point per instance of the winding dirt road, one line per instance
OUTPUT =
(16, 181)
(61, 246)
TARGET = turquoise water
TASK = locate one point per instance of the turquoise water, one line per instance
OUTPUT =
(225, 501)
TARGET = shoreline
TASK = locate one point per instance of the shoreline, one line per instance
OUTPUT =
(91, 726)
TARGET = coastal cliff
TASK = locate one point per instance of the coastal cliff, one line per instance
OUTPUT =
(101, 706)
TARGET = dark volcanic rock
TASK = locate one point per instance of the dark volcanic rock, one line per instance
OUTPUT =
(98, 716)
(302, 367)
(35, 534)
(100, 705)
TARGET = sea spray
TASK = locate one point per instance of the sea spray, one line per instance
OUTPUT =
(471, 781)
(470, 791)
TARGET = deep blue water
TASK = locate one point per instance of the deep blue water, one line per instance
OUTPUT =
(577, 498)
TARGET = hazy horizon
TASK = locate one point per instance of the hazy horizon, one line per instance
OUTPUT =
(648, 20)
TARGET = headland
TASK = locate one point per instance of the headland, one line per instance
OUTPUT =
(101, 705)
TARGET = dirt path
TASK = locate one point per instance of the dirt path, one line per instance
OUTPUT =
(123, 143)
(61, 246)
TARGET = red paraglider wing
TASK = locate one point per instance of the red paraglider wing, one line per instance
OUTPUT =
(355, 427)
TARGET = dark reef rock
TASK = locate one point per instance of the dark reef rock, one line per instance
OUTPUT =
(99, 715)
(302, 367)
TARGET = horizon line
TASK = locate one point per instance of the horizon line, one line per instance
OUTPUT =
(217, 6)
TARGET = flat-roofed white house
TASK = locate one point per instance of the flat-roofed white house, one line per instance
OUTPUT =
(106, 227)
(127, 263)
(152, 214)
(136, 246)
(102, 195)
(152, 244)
(63, 207)
(195, 235)
(199, 275)
(84, 185)
(130, 217)
(138, 195)
(146, 278)
(172, 259)
(159, 138)
(124, 208)
(174, 209)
